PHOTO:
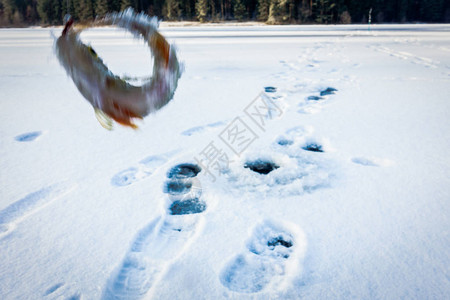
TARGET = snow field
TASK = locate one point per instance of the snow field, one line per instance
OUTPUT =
(343, 193)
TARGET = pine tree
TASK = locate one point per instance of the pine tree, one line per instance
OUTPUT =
(52, 12)
(239, 10)
(125, 4)
(49, 11)
(173, 9)
(85, 10)
(101, 8)
(345, 18)
(31, 15)
(17, 18)
(304, 12)
(323, 11)
(263, 10)
(274, 12)
(7, 12)
(114, 5)
(201, 9)
(433, 10)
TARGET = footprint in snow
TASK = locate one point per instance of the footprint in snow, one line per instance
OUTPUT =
(313, 147)
(314, 98)
(372, 161)
(53, 289)
(184, 190)
(75, 297)
(284, 141)
(261, 166)
(200, 129)
(127, 177)
(291, 171)
(33, 202)
(273, 254)
(164, 239)
(293, 165)
(29, 136)
(302, 138)
(328, 91)
(270, 89)
(145, 168)
(314, 103)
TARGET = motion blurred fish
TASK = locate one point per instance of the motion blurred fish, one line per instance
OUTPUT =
(112, 97)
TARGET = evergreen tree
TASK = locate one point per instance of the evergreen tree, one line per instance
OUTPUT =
(212, 10)
(290, 14)
(263, 10)
(101, 8)
(20, 12)
(124, 4)
(280, 11)
(6, 12)
(31, 15)
(173, 9)
(323, 11)
(85, 10)
(49, 11)
(345, 18)
(201, 9)
(239, 10)
(274, 12)
(156, 8)
(433, 10)
(304, 11)
(114, 5)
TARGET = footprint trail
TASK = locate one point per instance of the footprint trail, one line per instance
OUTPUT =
(28, 136)
(146, 168)
(33, 202)
(163, 240)
(200, 129)
(272, 256)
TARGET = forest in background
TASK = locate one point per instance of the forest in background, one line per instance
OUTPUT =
(19, 13)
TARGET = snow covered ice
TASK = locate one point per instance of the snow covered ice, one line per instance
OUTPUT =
(330, 179)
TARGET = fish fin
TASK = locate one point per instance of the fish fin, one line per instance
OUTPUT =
(103, 119)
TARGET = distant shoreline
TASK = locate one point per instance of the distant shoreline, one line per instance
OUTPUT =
(168, 24)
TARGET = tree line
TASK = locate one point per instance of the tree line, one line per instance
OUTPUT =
(51, 12)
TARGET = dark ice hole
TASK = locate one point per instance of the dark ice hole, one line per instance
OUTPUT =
(187, 206)
(279, 241)
(183, 171)
(270, 89)
(284, 142)
(177, 186)
(313, 148)
(261, 167)
(328, 91)
(314, 98)
(28, 137)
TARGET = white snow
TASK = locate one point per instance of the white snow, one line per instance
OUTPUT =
(355, 206)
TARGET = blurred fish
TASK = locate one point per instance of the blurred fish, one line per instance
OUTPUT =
(111, 96)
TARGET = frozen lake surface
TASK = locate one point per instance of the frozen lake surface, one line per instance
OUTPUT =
(334, 178)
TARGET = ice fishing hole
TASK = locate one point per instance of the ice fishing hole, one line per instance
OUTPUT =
(279, 241)
(328, 91)
(270, 89)
(314, 98)
(313, 147)
(187, 207)
(184, 170)
(28, 137)
(261, 166)
(177, 186)
(285, 142)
